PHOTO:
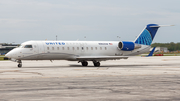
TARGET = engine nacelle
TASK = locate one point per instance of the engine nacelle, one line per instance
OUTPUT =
(128, 46)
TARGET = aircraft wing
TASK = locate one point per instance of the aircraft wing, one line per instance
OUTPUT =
(100, 58)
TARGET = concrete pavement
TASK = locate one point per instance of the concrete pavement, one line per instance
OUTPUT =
(137, 78)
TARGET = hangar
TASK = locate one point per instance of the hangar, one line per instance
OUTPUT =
(5, 48)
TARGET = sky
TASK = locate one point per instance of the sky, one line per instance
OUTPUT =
(87, 20)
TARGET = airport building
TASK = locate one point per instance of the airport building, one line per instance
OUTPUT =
(5, 48)
(160, 49)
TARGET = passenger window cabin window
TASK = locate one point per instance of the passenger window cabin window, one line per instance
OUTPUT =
(77, 48)
(86, 48)
(68, 48)
(57, 48)
(47, 48)
(73, 48)
(100, 48)
(105, 48)
(91, 48)
(52, 48)
(28, 46)
(96, 48)
(62, 48)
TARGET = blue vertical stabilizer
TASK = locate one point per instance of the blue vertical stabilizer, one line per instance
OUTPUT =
(147, 35)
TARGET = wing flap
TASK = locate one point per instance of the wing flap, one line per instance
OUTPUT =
(100, 58)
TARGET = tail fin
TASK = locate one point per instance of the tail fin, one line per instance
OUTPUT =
(152, 51)
(147, 35)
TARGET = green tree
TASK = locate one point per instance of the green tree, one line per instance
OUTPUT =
(171, 46)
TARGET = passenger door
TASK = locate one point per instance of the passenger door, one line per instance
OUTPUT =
(40, 47)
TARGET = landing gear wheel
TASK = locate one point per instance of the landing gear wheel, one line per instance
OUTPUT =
(96, 64)
(85, 63)
(20, 65)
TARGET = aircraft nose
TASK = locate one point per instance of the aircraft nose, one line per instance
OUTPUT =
(13, 53)
(8, 55)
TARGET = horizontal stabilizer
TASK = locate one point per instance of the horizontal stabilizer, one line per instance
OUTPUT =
(161, 26)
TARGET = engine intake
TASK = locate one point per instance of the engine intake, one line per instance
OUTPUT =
(128, 46)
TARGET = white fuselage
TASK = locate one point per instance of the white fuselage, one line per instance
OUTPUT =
(83, 51)
(70, 50)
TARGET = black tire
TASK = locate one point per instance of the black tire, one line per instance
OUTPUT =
(84, 63)
(97, 64)
(19, 65)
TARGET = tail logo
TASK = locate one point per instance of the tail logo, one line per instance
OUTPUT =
(147, 35)
(145, 38)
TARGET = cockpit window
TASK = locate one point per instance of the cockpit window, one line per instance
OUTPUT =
(28, 46)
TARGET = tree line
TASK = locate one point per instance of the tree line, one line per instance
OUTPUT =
(171, 46)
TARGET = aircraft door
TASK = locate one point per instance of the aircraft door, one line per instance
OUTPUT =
(35, 48)
(40, 47)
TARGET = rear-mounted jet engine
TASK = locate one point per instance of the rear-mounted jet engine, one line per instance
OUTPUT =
(128, 46)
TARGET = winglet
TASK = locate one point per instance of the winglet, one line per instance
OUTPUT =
(151, 53)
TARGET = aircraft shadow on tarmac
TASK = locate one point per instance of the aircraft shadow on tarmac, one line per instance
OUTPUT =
(113, 66)
(124, 66)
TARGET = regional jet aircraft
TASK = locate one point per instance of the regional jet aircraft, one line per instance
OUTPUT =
(84, 51)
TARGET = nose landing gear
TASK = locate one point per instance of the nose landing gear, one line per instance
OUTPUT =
(20, 63)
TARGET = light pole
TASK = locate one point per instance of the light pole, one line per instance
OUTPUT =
(118, 37)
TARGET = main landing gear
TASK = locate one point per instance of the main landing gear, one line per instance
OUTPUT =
(20, 63)
(96, 63)
(84, 63)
